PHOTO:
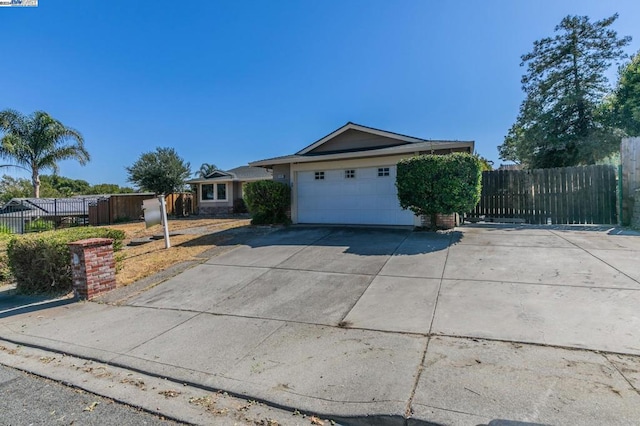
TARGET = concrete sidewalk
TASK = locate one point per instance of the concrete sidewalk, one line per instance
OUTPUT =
(370, 325)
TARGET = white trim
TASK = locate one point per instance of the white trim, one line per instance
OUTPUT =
(410, 149)
(213, 180)
(215, 192)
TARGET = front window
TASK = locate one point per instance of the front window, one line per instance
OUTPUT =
(207, 192)
(214, 192)
(222, 191)
(319, 175)
(349, 174)
(383, 171)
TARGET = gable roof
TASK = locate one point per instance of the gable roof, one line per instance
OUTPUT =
(382, 143)
(242, 173)
(402, 139)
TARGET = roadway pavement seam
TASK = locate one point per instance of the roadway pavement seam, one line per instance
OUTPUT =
(603, 261)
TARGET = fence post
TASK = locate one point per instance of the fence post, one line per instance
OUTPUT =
(620, 209)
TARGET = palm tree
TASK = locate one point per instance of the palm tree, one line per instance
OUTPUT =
(38, 142)
(206, 169)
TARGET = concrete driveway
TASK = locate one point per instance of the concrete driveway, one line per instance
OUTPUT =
(566, 288)
(380, 325)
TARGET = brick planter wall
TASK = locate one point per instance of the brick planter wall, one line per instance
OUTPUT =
(445, 221)
(93, 267)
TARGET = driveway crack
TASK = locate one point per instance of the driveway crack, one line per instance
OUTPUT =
(421, 368)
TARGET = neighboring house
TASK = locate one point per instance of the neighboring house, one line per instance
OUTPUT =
(219, 191)
(348, 176)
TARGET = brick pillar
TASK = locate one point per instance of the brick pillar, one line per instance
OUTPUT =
(93, 267)
(443, 221)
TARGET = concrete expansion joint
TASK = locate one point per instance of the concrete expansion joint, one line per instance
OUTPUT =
(535, 344)
(593, 255)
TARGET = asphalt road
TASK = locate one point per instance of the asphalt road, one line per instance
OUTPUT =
(26, 399)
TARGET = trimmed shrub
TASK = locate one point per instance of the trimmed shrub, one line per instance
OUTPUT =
(40, 262)
(5, 271)
(268, 201)
(38, 225)
(239, 206)
(445, 184)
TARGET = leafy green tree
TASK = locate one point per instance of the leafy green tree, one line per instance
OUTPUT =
(11, 187)
(38, 142)
(439, 184)
(485, 164)
(109, 188)
(205, 170)
(65, 186)
(625, 102)
(559, 124)
(162, 171)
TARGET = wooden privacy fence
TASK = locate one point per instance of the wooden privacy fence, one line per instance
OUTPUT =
(568, 195)
(125, 207)
(630, 158)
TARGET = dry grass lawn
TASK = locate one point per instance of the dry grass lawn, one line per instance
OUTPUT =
(141, 260)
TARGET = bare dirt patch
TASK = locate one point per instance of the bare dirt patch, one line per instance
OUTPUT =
(144, 253)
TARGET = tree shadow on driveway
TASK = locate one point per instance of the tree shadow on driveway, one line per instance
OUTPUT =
(363, 241)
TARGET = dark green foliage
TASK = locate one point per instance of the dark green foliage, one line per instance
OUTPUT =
(445, 184)
(239, 206)
(625, 101)
(5, 272)
(109, 188)
(559, 123)
(205, 170)
(40, 262)
(64, 186)
(268, 201)
(162, 171)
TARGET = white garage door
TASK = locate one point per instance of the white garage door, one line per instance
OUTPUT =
(351, 196)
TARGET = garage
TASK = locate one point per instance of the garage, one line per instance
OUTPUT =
(348, 176)
(350, 196)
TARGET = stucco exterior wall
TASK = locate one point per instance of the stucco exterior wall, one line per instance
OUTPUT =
(282, 173)
(355, 139)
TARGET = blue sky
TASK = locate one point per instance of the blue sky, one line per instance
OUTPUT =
(237, 81)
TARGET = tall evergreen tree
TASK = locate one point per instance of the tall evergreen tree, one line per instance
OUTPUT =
(625, 101)
(559, 122)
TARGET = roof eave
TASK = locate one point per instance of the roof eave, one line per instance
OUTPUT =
(402, 149)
